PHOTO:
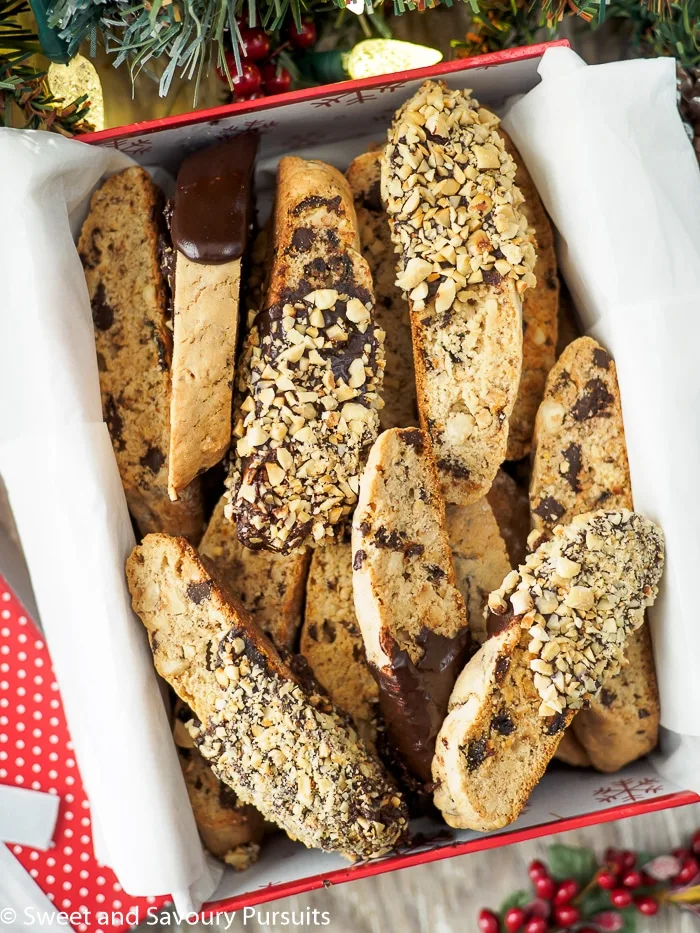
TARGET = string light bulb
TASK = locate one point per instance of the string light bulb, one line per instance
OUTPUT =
(73, 80)
(384, 56)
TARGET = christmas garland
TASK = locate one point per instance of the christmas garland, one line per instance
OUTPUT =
(574, 892)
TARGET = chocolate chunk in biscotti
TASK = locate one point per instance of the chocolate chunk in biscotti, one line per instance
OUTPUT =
(331, 640)
(540, 314)
(569, 610)
(281, 747)
(391, 311)
(410, 611)
(308, 400)
(465, 257)
(119, 249)
(230, 830)
(579, 463)
(269, 585)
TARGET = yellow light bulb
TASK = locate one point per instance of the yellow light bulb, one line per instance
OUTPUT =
(73, 80)
(383, 56)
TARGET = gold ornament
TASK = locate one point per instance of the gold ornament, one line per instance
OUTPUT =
(383, 56)
(73, 80)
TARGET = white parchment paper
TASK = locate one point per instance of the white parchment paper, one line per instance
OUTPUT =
(615, 169)
(57, 463)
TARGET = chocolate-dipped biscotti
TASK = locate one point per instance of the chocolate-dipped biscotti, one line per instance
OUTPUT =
(280, 746)
(465, 257)
(119, 249)
(410, 611)
(309, 381)
(209, 221)
(565, 616)
(579, 463)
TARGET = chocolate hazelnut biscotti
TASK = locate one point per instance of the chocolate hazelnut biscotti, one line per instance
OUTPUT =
(391, 311)
(269, 585)
(119, 249)
(566, 614)
(580, 463)
(311, 373)
(209, 221)
(411, 614)
(331, 640)
(280, 746)
(465, 257)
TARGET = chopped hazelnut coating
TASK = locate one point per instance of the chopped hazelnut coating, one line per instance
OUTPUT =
(579, 597)
(308, 401)
(465, 256)
(281, 746)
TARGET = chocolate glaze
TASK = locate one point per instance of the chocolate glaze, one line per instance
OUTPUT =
(413, 697)
(212, 207)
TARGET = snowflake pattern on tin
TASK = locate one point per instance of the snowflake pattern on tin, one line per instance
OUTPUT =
(628, 791)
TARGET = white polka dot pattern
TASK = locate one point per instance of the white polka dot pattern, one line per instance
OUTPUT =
(36, 752)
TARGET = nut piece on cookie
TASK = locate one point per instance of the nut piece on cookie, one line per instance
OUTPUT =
(580, 461)
(569, 610)
(307, 408)
(119, 249)
(391, 311)
(280, 747)
(410, 611)
(465, 257)
(269, 585)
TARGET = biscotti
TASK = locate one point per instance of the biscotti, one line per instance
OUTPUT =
(465, 257)
(311, 372)
(511, 508)
(283, 749)
(209, 221)
(580, 461)
(119, 249)
(540, 314)
(331, 640)
(269, 585)
(571, 752)
(410, 611)
(399, 392)
(479, 556)
(230, 830)
(567, 611)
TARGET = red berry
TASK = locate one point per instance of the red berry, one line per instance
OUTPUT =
(566, 892)
(545, 887)
(689, 870)
(256, 44)
(611, 856)
(537, 870)
(276, 80)
(627, 859)
(680, 853)
(247, 83)
(566, 915)
(536, 925)
(695, 842)
(621, 897)
(606, 879)
(587, 930)
(303, 38)
(488, 922)
(631, 879)
(514, 919)
(647, 905)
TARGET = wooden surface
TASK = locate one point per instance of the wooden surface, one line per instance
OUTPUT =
(445, 897)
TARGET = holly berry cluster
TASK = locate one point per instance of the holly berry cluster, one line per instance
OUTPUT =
(575, 893)
(262, 73)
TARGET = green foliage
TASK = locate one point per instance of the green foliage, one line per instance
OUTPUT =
(516, 899)
(567, 862)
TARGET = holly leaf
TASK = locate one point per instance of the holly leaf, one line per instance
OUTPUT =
(594, 902)
(629, 915)
(516, 899)
(567, 862)
(643, 858)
